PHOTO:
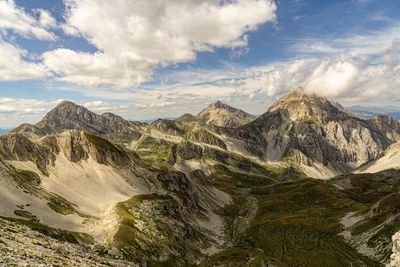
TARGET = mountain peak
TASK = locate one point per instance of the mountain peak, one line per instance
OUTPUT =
(300, 105)
(68, 115)
(221, 114)
(66, 104)
(218, 104)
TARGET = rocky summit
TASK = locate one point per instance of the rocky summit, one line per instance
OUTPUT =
(307, 183)
(221, 114)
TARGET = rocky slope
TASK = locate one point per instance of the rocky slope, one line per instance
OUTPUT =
(217, 189)
(390, 159)
(319, 135)
(81, 183)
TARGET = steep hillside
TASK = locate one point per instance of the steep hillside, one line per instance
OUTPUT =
(321, 136)
(389, 160)
(86, 186)
(190, 192)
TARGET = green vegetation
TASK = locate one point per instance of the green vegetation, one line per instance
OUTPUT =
(151, 226)
(28, 176)
(203, 136)
(238, 257)
(102, 143)
(25, 214)
(309, 119)
(151, 148)
(60, 205)
(296, 223)
(378, 193)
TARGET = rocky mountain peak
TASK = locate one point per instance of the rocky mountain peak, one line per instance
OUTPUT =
(66, 104)
(66, 110)
(221, 114)
(219, 104)
(299, 105)
(68, 115)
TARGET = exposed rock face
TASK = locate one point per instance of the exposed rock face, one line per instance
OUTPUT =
(221, 114)
(179, 184)
(312, 130)
(16, 146)
(395, 257)
(67, 115)
(388, 126)
(390, 159)
(76, 146)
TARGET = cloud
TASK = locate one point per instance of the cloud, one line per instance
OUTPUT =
(13, 63)
(14, 111)
(97, 69)
(46, 20)
(373, 42)
(17, 20)
(98, 106)
(135, 37)
(14, 67)
(332, 77)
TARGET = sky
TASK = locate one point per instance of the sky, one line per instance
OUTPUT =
(148, 59)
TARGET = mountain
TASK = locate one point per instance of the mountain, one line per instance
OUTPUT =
(102, 193)
(68, 115)
(84, 188)
(221, 114)
(322, 137)
(373, 111)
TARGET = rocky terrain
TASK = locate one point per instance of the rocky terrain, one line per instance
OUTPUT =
(222, 188)
(221, 114)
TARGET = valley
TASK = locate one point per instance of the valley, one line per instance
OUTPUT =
(307, 183)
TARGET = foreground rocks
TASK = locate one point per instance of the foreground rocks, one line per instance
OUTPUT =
(21, 246)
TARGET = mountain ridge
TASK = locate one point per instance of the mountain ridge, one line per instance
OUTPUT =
(188, 192)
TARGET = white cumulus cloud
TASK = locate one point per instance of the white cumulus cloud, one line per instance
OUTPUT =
(17, 20)
(135, 37)
(14, 67)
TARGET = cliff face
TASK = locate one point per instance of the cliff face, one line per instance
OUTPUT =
(311, 130)
(204, 189)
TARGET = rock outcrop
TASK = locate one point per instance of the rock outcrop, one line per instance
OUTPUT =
(312, 130)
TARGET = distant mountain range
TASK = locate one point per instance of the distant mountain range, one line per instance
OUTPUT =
(371, 111)
(307, 183)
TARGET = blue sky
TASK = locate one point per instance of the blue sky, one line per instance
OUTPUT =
(146, 59)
